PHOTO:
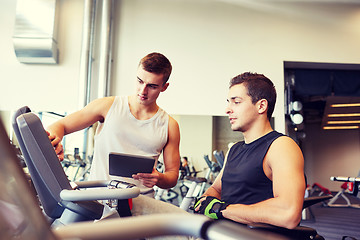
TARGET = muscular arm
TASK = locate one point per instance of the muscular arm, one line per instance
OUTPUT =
(171, 154)
(284, 165)
(93, 112)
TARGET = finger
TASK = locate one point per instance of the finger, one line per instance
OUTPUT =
(56, 141)
(198, 203)
(148, 184)
(145, 175)
(58, 148)
(135, 176)
(61, 156)
(51, 137)
(197, 208)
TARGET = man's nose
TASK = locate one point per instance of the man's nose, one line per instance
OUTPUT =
(228, 110)
(143, 89)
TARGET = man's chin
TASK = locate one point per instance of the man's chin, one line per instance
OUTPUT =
(235, 128)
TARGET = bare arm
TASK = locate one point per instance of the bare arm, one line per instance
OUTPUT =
(93, 112)
(169, 178)
(171, 157)
(215, 189)
(284, 165)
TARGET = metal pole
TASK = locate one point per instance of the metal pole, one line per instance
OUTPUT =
(105, 48)
(86, 52)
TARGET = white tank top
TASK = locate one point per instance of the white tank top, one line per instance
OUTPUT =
(121, 132)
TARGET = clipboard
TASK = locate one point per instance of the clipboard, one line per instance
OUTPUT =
(125, 165)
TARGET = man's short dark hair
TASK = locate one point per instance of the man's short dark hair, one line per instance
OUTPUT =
(158, 64)
(258, 87)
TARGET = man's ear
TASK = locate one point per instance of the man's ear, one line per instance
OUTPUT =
(262, 105)
(164, 87)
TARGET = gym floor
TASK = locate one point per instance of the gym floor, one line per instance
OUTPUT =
(334, 223)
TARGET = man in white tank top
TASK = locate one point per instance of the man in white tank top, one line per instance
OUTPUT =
(133, 124)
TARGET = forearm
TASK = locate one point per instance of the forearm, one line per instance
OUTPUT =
(269, 211)
(56, 129)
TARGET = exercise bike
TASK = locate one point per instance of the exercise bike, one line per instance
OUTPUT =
(350, 185)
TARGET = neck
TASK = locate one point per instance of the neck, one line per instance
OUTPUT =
(256, 132)
(141, 111)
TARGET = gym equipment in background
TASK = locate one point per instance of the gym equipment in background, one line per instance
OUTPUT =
(220, 158)
(351, 185)
(196, 186)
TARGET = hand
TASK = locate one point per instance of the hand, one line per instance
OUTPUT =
(58, 147)
(148, 179)
(210, 206)
(197, 204)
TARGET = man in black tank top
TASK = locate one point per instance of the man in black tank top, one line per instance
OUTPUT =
(263, 176)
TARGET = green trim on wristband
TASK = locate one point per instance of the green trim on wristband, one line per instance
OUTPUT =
(209, 207)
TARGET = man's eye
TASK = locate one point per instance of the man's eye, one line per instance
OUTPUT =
(140, 81)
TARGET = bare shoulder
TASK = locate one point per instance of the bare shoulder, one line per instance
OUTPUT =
(173, 124)
(97, 109)
(105, 101)
(173, 130)
(283, 149)
(100, 105)
(284, 142)
(284, 159)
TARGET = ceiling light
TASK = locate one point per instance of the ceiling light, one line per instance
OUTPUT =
(344, 122)
(340, 127)
(344, 115)
(296, 106)
(297, 118)
(345, 105)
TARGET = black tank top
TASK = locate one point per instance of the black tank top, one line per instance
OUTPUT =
(244, 180)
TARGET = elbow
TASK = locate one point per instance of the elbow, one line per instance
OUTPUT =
(167, 180)
(172, 183)
(174, 179)
(293, 223)
(292, 220)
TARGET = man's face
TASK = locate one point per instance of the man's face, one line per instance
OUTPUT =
(242, 112)
(148, 86)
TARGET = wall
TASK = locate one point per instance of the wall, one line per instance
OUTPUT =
(223, 134)
(330, 153)
(208, 42)
(5, 118)
(196, 139)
